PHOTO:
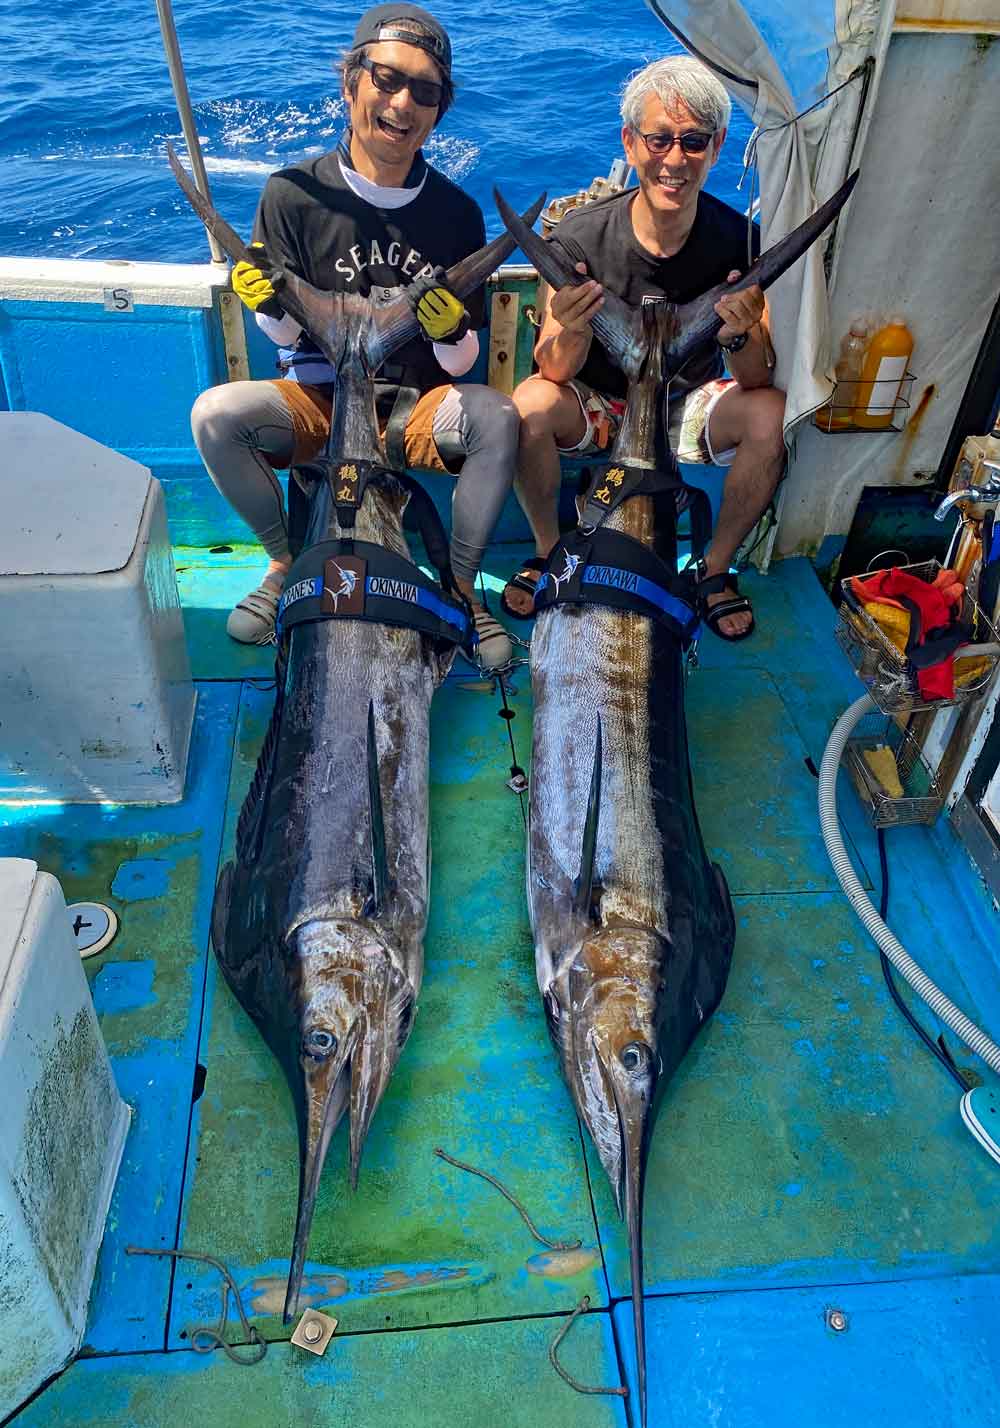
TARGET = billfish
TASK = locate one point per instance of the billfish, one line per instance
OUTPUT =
(318, 922)
(633, 926)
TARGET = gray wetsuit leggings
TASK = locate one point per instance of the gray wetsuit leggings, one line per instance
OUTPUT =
(239, 425)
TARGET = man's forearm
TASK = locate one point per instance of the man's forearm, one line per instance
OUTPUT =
(560, 355)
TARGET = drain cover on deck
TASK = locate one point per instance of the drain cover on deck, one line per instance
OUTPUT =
(93, 924)
(314, 1331)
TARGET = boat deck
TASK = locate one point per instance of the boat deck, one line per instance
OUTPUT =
(808, 1155)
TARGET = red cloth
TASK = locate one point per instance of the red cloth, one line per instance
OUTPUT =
(935, 681)
(935, 610)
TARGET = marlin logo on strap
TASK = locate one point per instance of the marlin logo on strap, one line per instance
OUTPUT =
(568, 570)
(348, 581)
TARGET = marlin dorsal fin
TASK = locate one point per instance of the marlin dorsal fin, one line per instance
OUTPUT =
(583, 897)
(380, 867)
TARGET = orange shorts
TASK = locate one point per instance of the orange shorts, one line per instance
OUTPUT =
(310, 410)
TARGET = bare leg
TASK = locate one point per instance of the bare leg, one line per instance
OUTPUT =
(550, 418)
(750, 421)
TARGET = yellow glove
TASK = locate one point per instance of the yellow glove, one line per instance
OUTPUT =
(254, 288)
(441, 314)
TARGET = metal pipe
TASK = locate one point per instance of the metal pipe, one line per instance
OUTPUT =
(175, 64)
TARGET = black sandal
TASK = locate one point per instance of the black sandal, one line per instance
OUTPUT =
(522, 581)
(712, 614)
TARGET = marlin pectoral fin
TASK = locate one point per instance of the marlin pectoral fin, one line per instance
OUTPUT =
(395, 323)
(617, 325)
(380, 866)
(583, 897)
(697, 322)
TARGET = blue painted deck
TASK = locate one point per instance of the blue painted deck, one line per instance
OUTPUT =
(809, 1154)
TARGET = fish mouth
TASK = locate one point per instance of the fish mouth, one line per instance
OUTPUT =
(360, 1012)
(327, 1096)
(614, 1071)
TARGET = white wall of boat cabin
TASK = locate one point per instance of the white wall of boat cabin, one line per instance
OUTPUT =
(920, 239)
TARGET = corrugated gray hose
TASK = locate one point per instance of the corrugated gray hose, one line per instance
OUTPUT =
(897, 954)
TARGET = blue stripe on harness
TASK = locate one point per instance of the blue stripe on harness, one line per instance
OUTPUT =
(627, 582)
(631, 584)
(301, 590)
(376, 585)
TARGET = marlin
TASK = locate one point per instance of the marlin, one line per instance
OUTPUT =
(318, 921)
(633, 926)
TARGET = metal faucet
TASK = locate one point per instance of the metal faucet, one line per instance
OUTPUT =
(989, 492)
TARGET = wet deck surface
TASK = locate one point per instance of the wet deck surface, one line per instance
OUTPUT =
(809, 1153)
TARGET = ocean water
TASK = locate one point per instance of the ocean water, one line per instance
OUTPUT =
(86, 109)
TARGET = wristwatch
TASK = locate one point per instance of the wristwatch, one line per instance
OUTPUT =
(735, 344)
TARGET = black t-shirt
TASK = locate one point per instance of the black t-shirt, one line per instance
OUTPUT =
(323, 232)
(601, 236)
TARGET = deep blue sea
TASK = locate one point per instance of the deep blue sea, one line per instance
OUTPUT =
(86, 108)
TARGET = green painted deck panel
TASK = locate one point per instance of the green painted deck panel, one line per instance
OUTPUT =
(420, 1242)
(808, 1138)
(449, 1378)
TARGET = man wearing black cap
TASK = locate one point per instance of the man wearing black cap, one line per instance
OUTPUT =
(369, 217)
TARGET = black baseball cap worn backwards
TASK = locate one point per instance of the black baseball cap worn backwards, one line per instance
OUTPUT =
(377, 25)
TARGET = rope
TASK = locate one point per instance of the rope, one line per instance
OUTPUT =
(485, 1175)
(750, 164)
(215, 1337)
(581, 1308)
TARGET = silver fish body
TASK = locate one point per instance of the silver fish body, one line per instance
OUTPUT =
(633, 927)
(318, 922)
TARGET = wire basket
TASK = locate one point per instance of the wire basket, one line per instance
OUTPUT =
(921, 799)
(890, 678)
(889, 397)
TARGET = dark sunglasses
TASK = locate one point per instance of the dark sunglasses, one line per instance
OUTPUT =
(425, 92)
(695, 141)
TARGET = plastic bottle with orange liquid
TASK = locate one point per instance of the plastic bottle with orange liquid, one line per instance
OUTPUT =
(838, 415)
(882, 374)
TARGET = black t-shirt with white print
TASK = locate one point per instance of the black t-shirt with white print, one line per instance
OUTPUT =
(601, 235)
(310, 220)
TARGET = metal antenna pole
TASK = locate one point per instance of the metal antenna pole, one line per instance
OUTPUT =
(175, 64)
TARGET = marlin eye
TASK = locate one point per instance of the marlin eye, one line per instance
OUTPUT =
(635, 1056)
(319, 1042)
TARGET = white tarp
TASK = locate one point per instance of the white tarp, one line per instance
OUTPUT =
(820, 43)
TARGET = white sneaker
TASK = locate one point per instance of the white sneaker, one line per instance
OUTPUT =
(495, 649)
(252, 622)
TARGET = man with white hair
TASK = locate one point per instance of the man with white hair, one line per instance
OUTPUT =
(666, 240)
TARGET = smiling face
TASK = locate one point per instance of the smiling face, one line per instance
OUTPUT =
(388, 129)
(670, 182)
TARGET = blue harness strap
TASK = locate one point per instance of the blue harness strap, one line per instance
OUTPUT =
(609, 568)
(357, 580)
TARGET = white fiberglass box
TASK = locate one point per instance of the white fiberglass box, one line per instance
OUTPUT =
(61, 1133)
(95, 686)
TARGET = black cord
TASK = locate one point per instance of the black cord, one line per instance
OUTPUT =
(937, 1048)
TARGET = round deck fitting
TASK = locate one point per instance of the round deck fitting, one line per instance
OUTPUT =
(94, 926)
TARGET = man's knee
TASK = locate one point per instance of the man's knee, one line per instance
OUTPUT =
(491, 417)
(212, 416)
(542, 406)
(765, 418)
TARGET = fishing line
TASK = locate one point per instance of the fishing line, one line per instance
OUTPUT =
(750, 164)
(485, 1175)
(216, 1337)
(581, 1308)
